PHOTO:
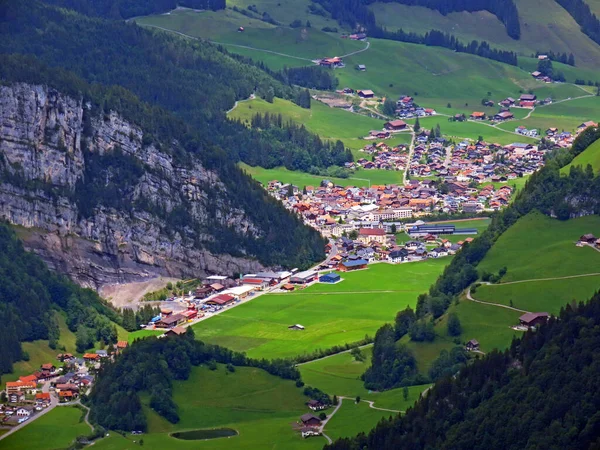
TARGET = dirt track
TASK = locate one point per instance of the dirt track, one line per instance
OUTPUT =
(129, 294)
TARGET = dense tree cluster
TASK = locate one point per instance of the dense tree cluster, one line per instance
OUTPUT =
(356, 14)
(543, 393)
(151, 365)
(392, 365)
(585, 18)
(505, 10)
(125, 9)
(30, 295)
(559, 57)
(313, 77)
(133, 319)
(303, 149)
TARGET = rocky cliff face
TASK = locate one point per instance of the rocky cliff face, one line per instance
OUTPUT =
(46, 141)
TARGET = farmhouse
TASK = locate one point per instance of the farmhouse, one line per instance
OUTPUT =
(309, 420)
(304, 277)
(504, 115)
(477, 115)
(221, 300)
(330, 278)
(334, 62)
(527, 97)
(589, 238)
(348, 266)
(361, 67)
(533, 319)
(395, 125)
(587, 124)
(472, 345)
(366, 93)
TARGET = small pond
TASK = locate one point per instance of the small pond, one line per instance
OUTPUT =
(196, 435)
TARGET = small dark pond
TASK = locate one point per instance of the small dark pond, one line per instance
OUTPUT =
(196, 435)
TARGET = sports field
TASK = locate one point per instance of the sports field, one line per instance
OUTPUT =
(262, 408)
(56, 429)
(590, 155)
(331, 314)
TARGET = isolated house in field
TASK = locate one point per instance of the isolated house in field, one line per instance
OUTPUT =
(588, 238)
(361, 67)
(472, 345)
(366, 93)
(309, 420)
(296, 327)
(533, 319)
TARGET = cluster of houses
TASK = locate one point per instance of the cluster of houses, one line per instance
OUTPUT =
(479, 162)
(589, 239)
(406, 108)
(310, 425)
(383, 157)
(26, 395)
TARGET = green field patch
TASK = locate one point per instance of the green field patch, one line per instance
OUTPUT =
(55, 429)
(590, 155)
(353, 418)
(549, 296)
(329, 123)
(540, 247)
(331, 314)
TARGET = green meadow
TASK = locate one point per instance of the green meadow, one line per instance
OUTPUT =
(547, 296)
(353, 418)
(540, 247)
(542, 21)
(332, 314)
(262, 408)
(590, 155)
(340, 375)
(54, 430)
(329, 123)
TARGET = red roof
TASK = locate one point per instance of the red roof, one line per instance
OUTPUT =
(122, 344)
(28, 379)
(253, 281)
(222, 299)
(42, 396)
(372, 232)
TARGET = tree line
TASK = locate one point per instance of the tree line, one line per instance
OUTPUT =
(126, 9)
(542, 393)
(31, 296)
(355, 13)
(308, 150)
(151, 365)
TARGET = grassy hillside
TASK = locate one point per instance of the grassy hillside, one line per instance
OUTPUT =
(332, 314)
(56, 429)
(545, 25)
(590, 155)
(540, 247)
(353, 418)
(262, 408)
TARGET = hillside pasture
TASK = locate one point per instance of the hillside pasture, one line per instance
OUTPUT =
(353, 418)
(534, 296)
(590, 155)
(544, 23)
(56, 429)
(540, 247)
(332, 314)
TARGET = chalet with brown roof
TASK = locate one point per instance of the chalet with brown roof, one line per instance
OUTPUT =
(170, 321)
(175, 331)
(533, 319)
(395, 125)
(221, 300)
(309, 420)
(477, 115)
(365, 93)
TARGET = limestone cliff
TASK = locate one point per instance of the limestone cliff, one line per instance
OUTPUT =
(47, 143)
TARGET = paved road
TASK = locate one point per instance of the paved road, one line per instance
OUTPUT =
(411, 149)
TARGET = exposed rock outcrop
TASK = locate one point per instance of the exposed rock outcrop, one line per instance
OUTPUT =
(46, 139)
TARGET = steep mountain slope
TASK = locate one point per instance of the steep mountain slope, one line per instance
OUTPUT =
(109, 200)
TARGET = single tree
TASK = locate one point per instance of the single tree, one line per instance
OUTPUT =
(454, 326)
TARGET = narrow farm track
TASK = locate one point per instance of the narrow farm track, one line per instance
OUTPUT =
(339, 405)
(470, 298)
